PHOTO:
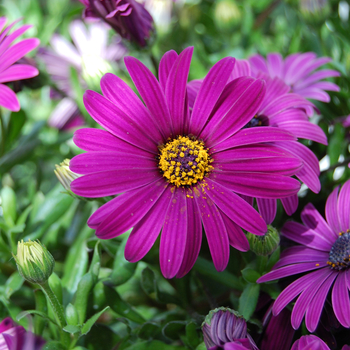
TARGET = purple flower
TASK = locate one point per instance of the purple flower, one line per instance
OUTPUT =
(178, 170)
(224, 328)
(287, 111)
(325, 248)
(14, 337)
(128, 18)
(9, 55)
(89, 55)
(299, 72)
(307, 342)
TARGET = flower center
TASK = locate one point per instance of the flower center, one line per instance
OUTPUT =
(257, 120)
(184, 161)
(339, 256)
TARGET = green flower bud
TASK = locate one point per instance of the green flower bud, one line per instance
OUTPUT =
(34, 262)
(66, 176)
(264, 245)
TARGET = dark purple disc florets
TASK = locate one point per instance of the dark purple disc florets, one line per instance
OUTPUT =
(339, 256)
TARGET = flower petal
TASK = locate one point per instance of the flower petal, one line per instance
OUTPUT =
(121, 95)
(236, 208)
(306, 236)
(341, 300)
(332, 212)
(116, 121)
(18, 72)
(174, 235)
(344, 206)
(112, 182)
(267, 209)
(290, 204)
(209, 93)
(130, 209)
(194, 237)
(146, 231)
(8, 99)
(165, 65)
(151, 93)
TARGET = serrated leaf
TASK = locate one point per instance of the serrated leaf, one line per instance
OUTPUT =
(91, 321)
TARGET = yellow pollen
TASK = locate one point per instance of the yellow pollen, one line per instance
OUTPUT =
(317, 264)
(184, 161)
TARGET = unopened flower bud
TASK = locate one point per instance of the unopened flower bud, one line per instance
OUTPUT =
(266, 244)
(66, 176)
(34, 262)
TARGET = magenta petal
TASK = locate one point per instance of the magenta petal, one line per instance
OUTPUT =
(192, 90)
(297, 254)
(174, 235)
(8, 39)
(236, 208)
(319, 75)
(112, 182)
(97, 140)
(290, 204)
(8, 99)
(130, 209)
(121, 95)
(332, 212)
(165, 65)
(175, 91)
(344, 207)
(241, 69)
(258, 184)
(151, 93)
(116, 121)
(194, 237)
(308, 237)
(215, 230)
(289, 293)
(18, 72)
(313, 219)
(242, 107)
(209, 93)
(303, 302)
(236, 236)
(275, 64)
(104, 211)
(305, 130)
(253, 136)
(94, 162)
(291, 270)
(146, 231)
(313, 313)
(17, 51)
(341, 300)
(267, 209)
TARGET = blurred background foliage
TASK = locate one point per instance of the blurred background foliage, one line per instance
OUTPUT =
(147, 311)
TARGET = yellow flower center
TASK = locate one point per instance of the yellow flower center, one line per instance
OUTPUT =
(184, 161)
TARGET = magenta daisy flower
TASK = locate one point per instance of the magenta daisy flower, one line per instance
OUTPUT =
(307, 342)
(178, 170)
(325, 248)
(128, 18)
(9, 54)
(287, 111)
(299, 71)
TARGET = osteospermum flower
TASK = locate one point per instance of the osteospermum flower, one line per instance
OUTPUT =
(9, 54)
(128, 18)
(226, 329)
(14, 337)
(287, 111)
(299, 71)
(178, 170)
(307, 342)
(325, 248)
(89, 55)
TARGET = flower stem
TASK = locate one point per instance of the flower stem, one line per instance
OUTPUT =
(58, 311)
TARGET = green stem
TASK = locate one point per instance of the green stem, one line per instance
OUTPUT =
(3, 132)
(58, 311)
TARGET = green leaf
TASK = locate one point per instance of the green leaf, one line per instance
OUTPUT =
(95, 263)
(275, 256)
(8, 203)
(91, 321)
(72, 315)
(72, 329)
(192, 336)
(41, 306)
(53, 345)
(154, 345)
(35, 312)
(148, 331)
(172, 329)
(248, 300)
(123, 270)
(14, 283)
(250, 275)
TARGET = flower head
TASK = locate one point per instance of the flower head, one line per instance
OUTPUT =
(223, 327)
(299, 71)
(325, 248)
(9, 54)
(178, 170)
(34, 262)
(307, 342)
(128, 18)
